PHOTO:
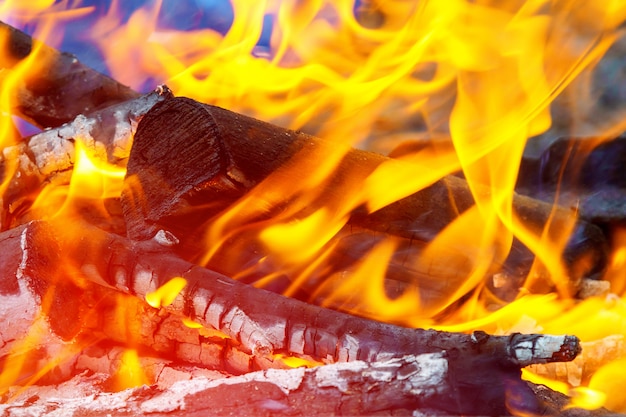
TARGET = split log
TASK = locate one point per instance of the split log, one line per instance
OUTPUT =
(48, 157)
(482, 367)
(222, 156)
(62, 87)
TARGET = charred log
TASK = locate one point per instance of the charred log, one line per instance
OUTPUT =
(222, 156)
(48, 157)
(481, 369)
(62, 88)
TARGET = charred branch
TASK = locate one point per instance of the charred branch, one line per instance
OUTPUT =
(480, 372)
(222, 156)
(62, 88)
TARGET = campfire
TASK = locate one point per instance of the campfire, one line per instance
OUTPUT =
(312, 208)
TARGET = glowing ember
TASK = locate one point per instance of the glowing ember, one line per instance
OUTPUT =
(476, 78)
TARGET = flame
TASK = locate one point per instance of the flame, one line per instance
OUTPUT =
(166, 293)
(478, 78)
(129, 373)
(93, 181)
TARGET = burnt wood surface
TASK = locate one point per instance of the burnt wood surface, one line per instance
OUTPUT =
(49, 156)
(222, 156)
(481, 367)
(62, 88)
(399, 387)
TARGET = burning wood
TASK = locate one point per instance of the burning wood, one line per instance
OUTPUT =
(291, 327)
(206, 190)
(222, 156)
(48, 157)
(62, 87)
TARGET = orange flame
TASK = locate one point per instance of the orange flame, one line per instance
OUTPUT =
(166, 293)
(477, 76)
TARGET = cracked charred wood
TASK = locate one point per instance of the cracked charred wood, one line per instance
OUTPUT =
(48, 157)
(241, 311)
(84, 318)
(389, 387)
(62, 87)
(222, 156)
(482, 368)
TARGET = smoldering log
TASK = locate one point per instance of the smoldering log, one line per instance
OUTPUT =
(48, 157)
(355, 388)
(82, 321)
(62, 87)
(291, 393)
(483, 369)
(222, 156)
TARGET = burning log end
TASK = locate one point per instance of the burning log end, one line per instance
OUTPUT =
(49, 156)
(543, 348)
(223, 155)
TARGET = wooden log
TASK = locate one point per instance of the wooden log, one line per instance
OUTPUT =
(48, 157)
(62, 87)
(241, 311)
(222, 156)
(355, 388)
(289, 393)
(481, 367)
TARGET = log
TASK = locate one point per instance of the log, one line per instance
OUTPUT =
(356, 388)
(482, 367)
(586, 170)
(48, 157)
(62, 86)
(223, 156)
(295, 392)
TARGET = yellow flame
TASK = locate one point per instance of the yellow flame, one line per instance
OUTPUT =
(130, 373)
(166, 293)
(586, 398)
(93, 181)
(479, 76)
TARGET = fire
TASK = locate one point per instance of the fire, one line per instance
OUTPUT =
(476, 77)
(166, 293)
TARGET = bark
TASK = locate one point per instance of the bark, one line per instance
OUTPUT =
(222, 156)
(48, 157)
(62, 86)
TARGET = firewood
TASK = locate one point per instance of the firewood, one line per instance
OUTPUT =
(587, 170)
(293, 393)
(62, 87)
(478, 363)
(222, 156)
(48, 157)
(415, 382)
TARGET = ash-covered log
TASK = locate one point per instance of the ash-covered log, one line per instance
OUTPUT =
(62, 87)
(222, 156)
(482, 368)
